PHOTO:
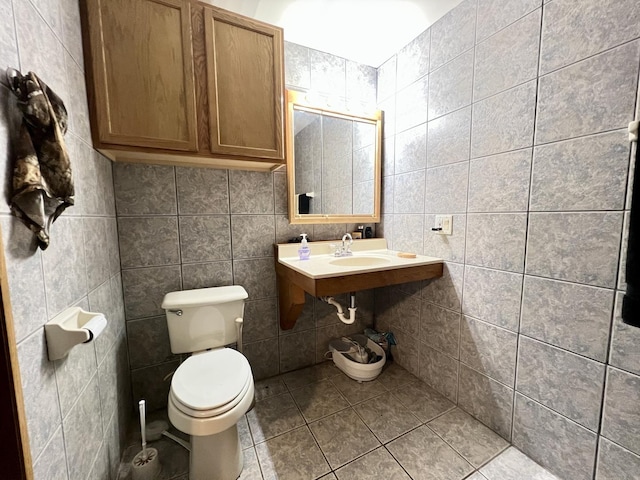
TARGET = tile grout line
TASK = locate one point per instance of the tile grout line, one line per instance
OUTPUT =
(526, 233)
(627, 193)
(339, 411)
(612, 319)
(588, 57)
(178, 224)
(500, 29)
(466, 231)
(541, 277)
(475, 469)
(564, 417)
(396, 460)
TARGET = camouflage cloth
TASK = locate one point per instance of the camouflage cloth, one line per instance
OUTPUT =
(42, 181)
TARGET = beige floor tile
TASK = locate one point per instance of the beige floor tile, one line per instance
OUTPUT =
(512, 464)
(356, 392)
(377, 464)
(476, 476)
(251, 467)
(269, 387)
(246, 440)
(394, 376)
(278, 445)
(319, 400)
(386, 417)
(274, 416)
(423, 401)
(473, 440)
(309, 375)
(343, 437)
(425, 456)
(292, 456)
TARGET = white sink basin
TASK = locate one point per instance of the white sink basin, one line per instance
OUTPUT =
(369, 255)
(361, 261)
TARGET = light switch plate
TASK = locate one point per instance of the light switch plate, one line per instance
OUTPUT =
(444, 224)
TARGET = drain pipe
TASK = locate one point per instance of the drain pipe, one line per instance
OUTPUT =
(352, 308)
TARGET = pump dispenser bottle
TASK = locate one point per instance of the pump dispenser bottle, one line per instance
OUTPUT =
(304, 251)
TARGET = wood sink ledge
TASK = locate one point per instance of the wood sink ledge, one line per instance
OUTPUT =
(294, 278)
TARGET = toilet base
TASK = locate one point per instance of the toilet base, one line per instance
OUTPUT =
(216, 456)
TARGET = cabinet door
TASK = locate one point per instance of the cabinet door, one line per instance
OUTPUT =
(245, 78)
(142, 69)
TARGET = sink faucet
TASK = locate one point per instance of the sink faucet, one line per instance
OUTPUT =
(345, 250)
(342, 250)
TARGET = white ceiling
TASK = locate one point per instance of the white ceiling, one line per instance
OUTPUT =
(366, 31)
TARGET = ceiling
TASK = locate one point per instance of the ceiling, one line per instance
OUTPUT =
(366, 31)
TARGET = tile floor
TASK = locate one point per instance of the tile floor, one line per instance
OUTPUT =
(317, 423)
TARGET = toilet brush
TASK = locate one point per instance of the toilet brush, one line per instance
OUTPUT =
(146, 465)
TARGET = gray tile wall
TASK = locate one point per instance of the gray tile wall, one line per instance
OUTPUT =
(77, 408)
(524, 106)
(511, 107)
(183, 228)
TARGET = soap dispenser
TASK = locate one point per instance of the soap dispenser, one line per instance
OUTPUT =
(304, 251)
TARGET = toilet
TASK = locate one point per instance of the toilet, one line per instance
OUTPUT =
(213, 388)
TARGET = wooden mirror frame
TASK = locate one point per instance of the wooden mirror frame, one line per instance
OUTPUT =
(299, 101)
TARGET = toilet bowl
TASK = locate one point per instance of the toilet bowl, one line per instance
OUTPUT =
(209, 393)
(213, 388)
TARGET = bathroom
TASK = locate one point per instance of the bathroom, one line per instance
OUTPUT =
(499, 114)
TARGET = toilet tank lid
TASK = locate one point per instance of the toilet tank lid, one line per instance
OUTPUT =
(203, 296)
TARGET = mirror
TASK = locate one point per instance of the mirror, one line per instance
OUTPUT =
(333, 163)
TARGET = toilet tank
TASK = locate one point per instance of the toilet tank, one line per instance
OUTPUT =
(203, 318)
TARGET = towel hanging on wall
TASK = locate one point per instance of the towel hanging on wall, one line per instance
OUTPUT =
(631, 301)
(42, 180)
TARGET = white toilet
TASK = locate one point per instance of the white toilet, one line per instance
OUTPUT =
(213, 388)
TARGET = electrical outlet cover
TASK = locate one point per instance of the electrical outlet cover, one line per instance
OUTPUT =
(445, 224)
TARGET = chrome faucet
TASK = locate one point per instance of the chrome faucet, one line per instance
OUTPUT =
(345, 250)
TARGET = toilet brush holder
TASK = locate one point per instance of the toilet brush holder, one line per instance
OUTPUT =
(146, 464)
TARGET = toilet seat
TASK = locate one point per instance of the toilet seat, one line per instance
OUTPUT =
(211, 383)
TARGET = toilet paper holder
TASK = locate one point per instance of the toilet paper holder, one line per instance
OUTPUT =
(72, 327)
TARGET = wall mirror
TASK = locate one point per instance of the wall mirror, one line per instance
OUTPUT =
(333, 162)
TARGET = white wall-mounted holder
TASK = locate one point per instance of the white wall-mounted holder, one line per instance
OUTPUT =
(72, 327)
(443, 224)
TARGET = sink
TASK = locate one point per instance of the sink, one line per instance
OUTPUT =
(372, 265)
(363, 261)
(369, 256)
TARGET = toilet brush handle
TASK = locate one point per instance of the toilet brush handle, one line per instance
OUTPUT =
(143, 433)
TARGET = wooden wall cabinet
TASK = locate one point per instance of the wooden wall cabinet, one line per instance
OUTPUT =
(184, 83)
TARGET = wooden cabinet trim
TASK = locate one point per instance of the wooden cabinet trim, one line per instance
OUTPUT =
(100, 88)
(190, 142)
(152, 157)
(291, 283)
(212, 15)
(201, 77)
